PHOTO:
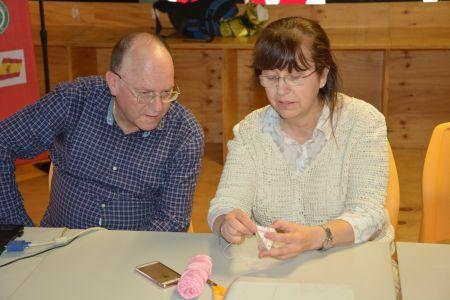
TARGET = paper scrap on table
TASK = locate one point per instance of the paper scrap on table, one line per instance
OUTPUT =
(262, 240)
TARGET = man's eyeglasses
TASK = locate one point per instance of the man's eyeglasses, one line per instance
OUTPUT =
(291, 80)
(150, 97)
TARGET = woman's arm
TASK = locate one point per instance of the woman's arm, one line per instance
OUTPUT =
(294, 238)
(230, 210)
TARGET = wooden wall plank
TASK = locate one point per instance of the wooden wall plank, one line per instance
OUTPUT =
(84, 61)
(417, 15)
(103, 57)
(250, 95)
(198, 74)
(95, 14)
(230, 100)
(58, 65)
(410, 167)
(419, 90)
(362, 75)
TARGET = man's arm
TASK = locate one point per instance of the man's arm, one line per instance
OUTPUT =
(174, 208)
(12, 210)
(24, 135)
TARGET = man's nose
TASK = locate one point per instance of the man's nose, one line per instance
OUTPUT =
(156, 105)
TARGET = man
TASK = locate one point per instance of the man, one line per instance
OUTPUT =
(125, 154)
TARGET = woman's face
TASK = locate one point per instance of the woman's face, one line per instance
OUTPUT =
(295, 94)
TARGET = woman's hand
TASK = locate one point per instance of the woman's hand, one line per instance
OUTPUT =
(236, 225)
(294, 239)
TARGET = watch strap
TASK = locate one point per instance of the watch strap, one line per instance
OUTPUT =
(328, 242)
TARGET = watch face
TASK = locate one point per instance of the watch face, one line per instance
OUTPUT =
(327, 244)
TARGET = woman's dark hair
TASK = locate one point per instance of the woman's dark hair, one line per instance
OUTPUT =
(279, 47)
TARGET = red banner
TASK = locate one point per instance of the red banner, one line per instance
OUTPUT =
(18, 78)
(277, 2)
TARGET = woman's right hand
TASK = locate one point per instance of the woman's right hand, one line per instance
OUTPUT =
(236, 225)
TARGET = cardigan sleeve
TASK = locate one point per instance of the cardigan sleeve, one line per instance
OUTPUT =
(238, 181)
(368, 177)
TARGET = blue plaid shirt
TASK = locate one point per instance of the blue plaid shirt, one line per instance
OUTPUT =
(102, 177)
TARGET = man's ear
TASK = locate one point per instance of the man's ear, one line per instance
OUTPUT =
(111, 80)
(323, 77)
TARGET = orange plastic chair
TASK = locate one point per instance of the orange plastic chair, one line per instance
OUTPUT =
(50, 175)
(435, 225)
(393, 190)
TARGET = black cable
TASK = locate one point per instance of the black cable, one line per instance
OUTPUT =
(38, 253)
(44, 46)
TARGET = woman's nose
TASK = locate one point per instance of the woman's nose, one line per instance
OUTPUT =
(282, 86)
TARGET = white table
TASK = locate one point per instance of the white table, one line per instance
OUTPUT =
(101, 266)
(424, 270)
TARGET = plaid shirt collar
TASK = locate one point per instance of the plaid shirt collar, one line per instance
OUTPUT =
(111, 121)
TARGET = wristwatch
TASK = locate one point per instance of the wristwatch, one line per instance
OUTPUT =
(328, 242)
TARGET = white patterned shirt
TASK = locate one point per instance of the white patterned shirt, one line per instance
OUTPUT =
(299, 156)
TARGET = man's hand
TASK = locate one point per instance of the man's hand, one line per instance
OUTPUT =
(294, 239)
(236, 226)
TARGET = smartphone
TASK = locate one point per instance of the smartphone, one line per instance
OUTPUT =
(159, 273)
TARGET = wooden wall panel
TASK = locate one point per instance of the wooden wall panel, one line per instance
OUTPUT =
(409, 164)
(198, 74)
(250, 95)
(83, 60)
(96, 14)
(103, 57)
(362, 74)
(58, 63)
(419, 96)
(417, 15)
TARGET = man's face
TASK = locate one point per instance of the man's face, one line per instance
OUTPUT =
(142, 71)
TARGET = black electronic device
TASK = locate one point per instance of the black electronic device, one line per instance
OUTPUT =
(9, 232)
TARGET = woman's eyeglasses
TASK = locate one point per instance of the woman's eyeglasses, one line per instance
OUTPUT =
(291, 80)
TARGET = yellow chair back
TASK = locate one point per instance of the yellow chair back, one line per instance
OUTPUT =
(435, 226)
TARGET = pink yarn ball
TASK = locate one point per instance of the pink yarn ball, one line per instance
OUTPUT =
(193, 280)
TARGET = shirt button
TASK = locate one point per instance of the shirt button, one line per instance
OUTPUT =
(103, 205)
(114, 168)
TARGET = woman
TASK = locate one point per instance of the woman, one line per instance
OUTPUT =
(313, 164)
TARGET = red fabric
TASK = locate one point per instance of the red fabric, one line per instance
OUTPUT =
(281, 1)
(18, 77)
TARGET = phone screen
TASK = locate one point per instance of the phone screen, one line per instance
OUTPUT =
(159, 273)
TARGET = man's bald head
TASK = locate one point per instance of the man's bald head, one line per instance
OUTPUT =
(131, 42)
(140, 64)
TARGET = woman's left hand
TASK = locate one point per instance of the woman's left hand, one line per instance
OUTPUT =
(294, 239)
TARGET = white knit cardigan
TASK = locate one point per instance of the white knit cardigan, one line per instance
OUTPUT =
(347, 180)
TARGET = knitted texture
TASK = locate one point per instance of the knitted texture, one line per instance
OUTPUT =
(347, 180)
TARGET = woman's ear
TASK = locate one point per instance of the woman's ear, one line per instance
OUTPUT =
(323, 77)
(111, 80)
